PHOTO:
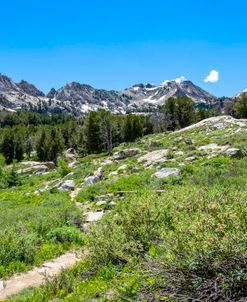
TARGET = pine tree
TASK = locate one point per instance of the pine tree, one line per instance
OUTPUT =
(56, 145)
(185, 111)
(106, 130)
(240, 106)
(18, 144)
(41, 146)
(92, 133)
(128, 129)
(179, 112)
(169, 109)
(8, 146)
(137, 127)
(133, 128)
(29, 146)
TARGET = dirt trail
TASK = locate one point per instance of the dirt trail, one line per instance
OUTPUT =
(37, 275)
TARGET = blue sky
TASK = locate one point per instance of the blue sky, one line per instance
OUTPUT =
(115, 44)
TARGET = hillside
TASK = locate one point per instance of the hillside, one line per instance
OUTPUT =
(79, 98)
(162, 219)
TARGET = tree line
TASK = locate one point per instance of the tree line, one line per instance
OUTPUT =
(42, 137)
(98, 132)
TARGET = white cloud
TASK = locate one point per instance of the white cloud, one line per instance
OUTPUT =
(213, 77)
(177, 80)
(180, 80)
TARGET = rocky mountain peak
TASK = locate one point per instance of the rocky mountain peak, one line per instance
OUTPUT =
(80, 98)
(7, 85)
(51, 94)
(30, 89)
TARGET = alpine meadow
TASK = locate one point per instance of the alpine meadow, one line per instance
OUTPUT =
(123, 194)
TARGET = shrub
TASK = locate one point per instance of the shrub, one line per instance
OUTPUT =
(63, 168)
(65, 234)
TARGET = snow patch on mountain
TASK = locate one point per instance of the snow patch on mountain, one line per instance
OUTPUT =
(80, 98)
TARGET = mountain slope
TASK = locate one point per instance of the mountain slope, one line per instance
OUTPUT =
(30, 89)
(80, 98)
(159, 94)
(170, 224)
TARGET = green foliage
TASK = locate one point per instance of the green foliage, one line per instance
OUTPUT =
(201, 114)
(63, 168)
(7, 146)
(240, 107)
(185, 111)
(8, 175)
(186, 242)
(28, 225)
(12, 177)
(131, 182)
(92, 130)
(130, 287)
(133, 228)
(107, 272)
(65, 234)
(56, 145)
(26, 118)
(179, 112)
(49, 144)
(133, 128)
(42, 146)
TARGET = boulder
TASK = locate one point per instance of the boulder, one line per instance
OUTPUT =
(153, 156)
(38, 169)
(66, 185)
(113, 173)
(213, 147)
(106, 162)
(70, 155)
(190, 158)
(49, 164)
(71, 151)
(101, 203)
(85, 228)
(215, 123)
(154, 144)
(234, 152)
(123, 167)
(34, 167)
(189, 142)
(99, 172)
(93, 216)
(103, 197)
(91, 180)
(135, 170)
(126, 153)
(166, 172)
(72, 164)
(179, 138)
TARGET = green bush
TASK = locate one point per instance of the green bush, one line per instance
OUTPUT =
(29, 222)
(65, 234)
(63, 168)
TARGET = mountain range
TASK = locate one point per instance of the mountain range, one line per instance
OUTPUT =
(79, 98)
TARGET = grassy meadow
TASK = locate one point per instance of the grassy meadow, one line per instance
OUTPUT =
(186, 242)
